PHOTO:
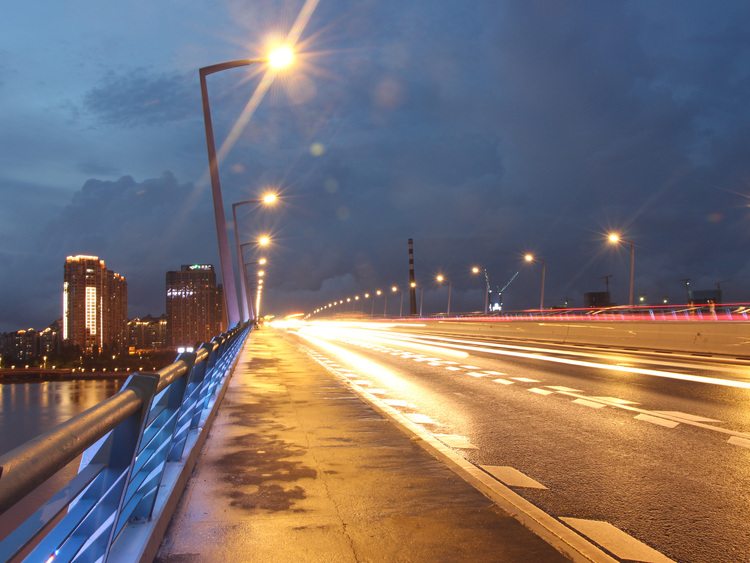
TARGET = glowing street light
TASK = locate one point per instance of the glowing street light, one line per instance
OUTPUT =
(441, 279)
(267, 199)
(614, 239)
(243, 272)
(277, 59)
(530, 258)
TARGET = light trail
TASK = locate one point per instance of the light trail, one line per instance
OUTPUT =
(488, 348)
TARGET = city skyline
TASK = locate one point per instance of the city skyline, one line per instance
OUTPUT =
(483, 132)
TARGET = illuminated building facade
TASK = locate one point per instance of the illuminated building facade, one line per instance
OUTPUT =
(147, 333)
(95, 304)
(195, 305)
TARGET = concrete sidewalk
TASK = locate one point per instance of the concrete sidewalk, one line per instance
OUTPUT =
(298, 467)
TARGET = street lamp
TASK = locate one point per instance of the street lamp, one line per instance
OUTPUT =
(372, 314)
(262, 241)
(441, 279)
(394, 289)
(614, 239)
(277, 59)
(269, 198)
(530, 258)
(487, 282)
(421, 296)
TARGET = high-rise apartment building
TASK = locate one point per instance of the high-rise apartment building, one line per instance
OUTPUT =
(95, 304)
(195, 305)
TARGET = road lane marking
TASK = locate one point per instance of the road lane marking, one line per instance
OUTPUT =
(686, 416)
(503, 381)
(490, 372)
(450, 368)
(563, 389)
(616, 541)
(476, 374)
(377, 391)
(607, 401)
(454, 441)
(512, 477)
(525, 380)
(540, 391)
(507, 350)
(592, 404)
(362, 382)
(657, 420)
(395, 402)
(737, 441)
(470, 367)
(420, 418)
(434, 364)
(616, 400)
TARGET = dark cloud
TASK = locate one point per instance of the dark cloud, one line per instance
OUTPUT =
(142, 97)
(482, 130)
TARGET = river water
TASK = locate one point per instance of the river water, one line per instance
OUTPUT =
(30, 409)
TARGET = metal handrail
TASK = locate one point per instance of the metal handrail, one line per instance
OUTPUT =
(122, 440)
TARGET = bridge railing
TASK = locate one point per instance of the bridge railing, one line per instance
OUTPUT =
(126, 443)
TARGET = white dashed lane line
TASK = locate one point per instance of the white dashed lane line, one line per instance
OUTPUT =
(525, 380)
(656, 420)
(592, 404)
(737, 441)
(540, 391)
(451, 368)
(512, 477)
(616, 541)
(503, 381)
(476, 374)
(420, 418)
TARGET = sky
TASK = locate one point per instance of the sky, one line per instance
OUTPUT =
(482, 130)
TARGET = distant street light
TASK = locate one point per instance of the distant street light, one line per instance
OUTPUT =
(401, 309)
(441, 279)
(613, 238)
(243, 269)
(378, 292)
(530, 258)
(487, 292)
(246, 307)
(277, 59)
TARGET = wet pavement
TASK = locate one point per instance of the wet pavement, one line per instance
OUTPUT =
(297, 467)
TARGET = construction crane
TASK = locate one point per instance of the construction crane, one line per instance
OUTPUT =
(497, 305)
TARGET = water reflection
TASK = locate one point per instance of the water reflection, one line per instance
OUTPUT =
(30, 409)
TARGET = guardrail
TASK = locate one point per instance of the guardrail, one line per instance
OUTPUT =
(127, 443)
(724, 312)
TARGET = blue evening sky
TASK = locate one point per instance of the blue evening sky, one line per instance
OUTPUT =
(483, 130)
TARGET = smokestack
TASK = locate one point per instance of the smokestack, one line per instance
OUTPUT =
(412, 287)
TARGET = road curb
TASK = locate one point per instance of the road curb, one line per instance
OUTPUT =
(548, 528)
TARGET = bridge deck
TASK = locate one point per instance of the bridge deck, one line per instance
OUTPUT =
(298, 468)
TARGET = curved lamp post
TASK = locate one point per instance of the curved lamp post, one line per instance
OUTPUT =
(247, 309)
(487, 292)
(279, 58)
(615, 239)
(394, 289)
(530, 258)
(441, 279)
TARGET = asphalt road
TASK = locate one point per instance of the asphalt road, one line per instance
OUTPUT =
(656, 446)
